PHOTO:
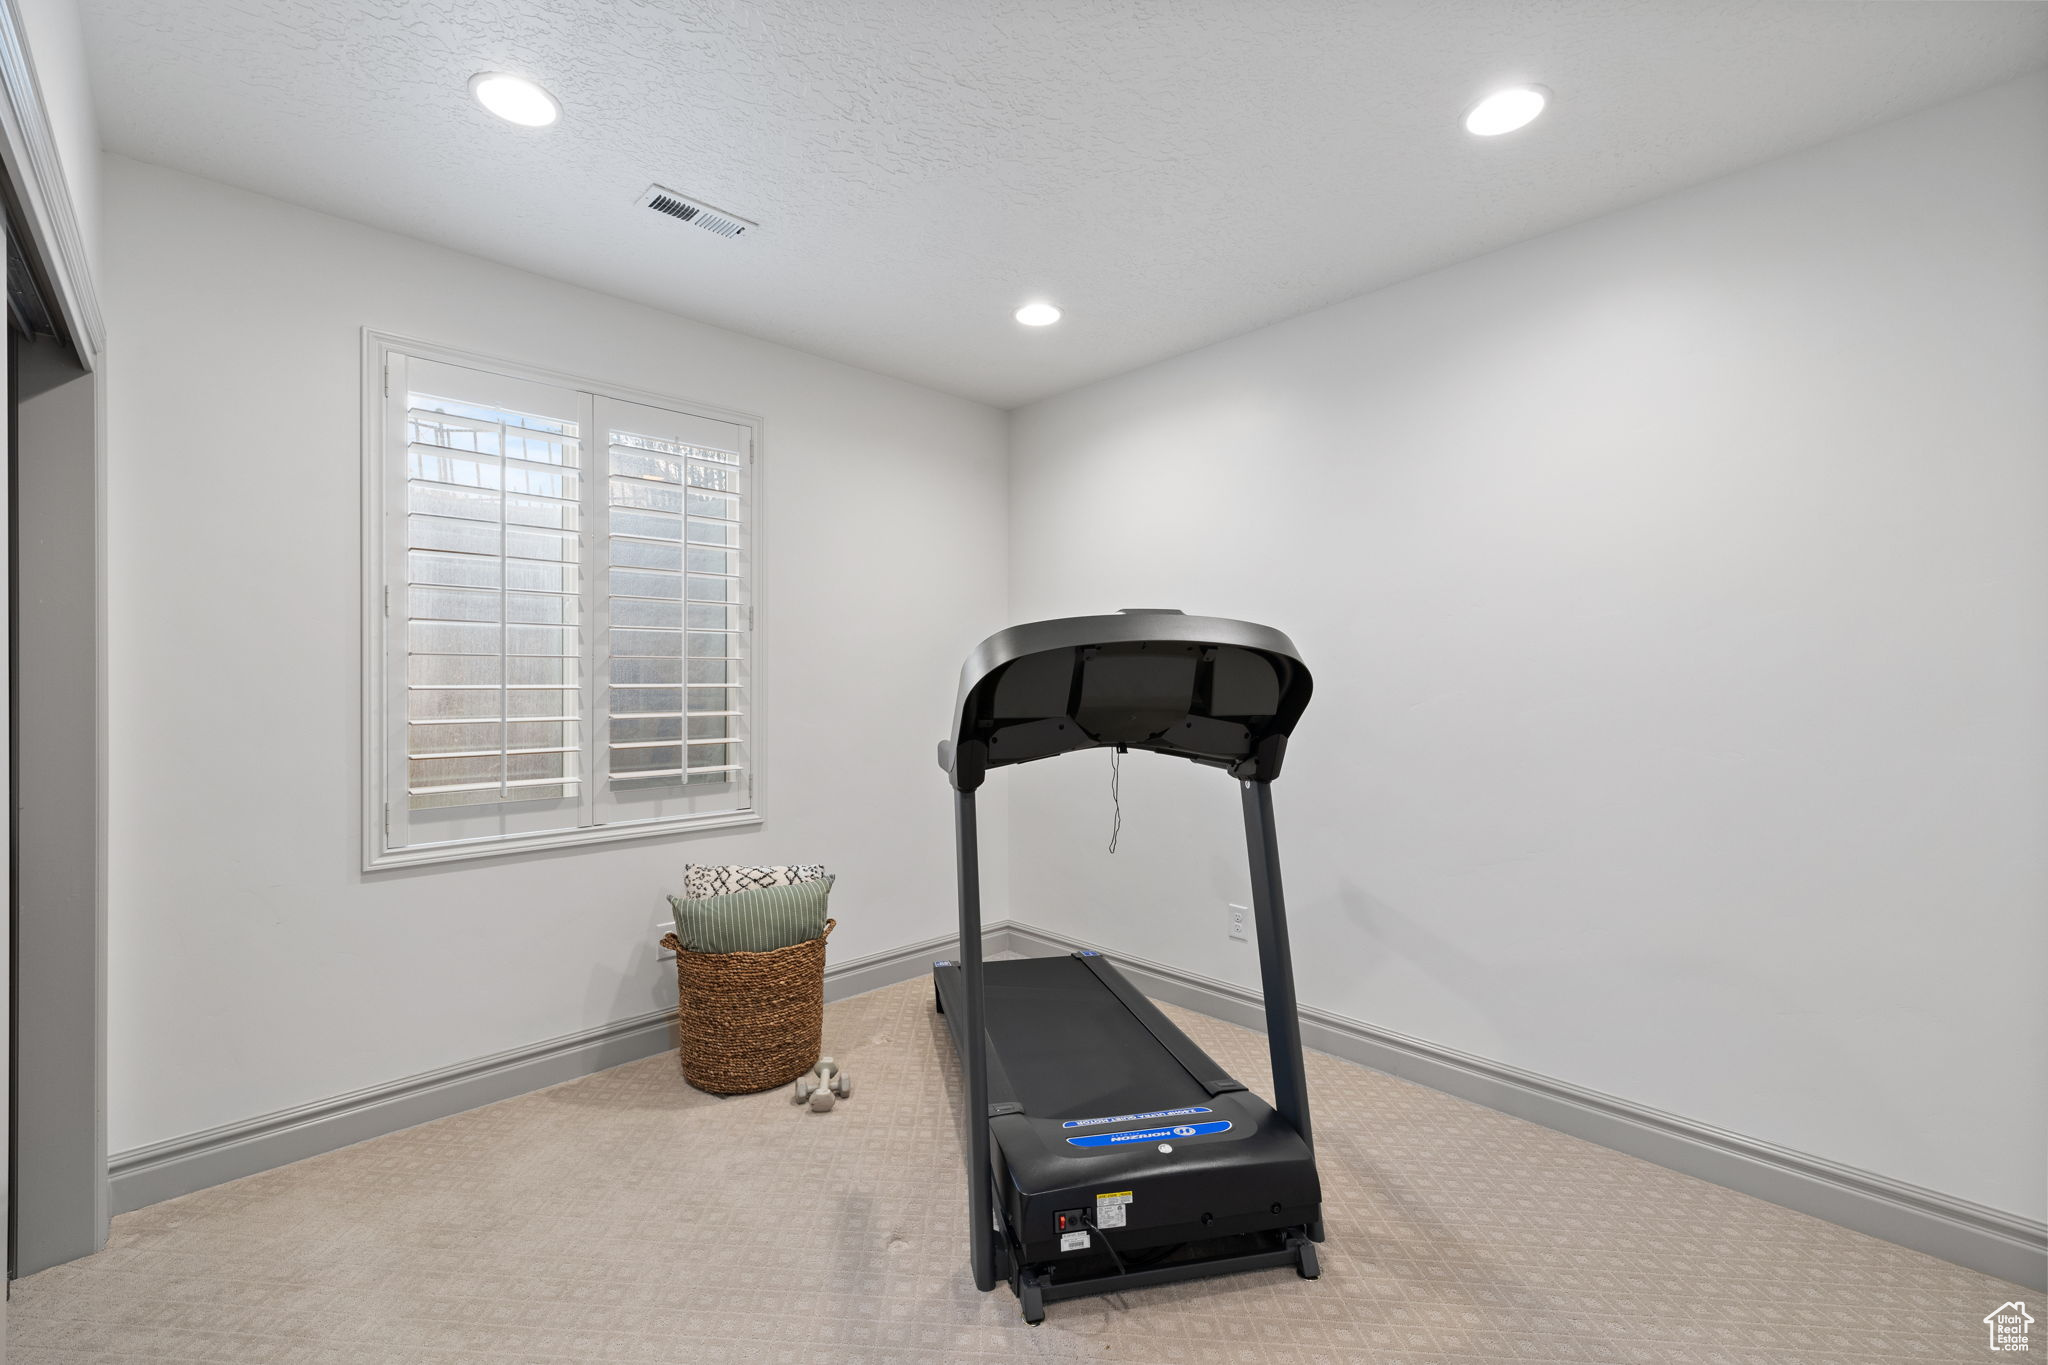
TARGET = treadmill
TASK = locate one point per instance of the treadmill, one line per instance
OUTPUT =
(1106, 1151)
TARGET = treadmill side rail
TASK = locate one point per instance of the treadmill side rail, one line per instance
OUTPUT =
(1002, 1096)
(1199, 1064)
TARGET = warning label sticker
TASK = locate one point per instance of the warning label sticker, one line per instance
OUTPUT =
(1128, 1118)
(1109, 1209)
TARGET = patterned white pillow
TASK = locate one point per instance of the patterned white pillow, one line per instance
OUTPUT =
(705, 879)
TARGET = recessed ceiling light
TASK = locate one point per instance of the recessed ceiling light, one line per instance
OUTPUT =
(1506, 110)
(1038, 315)
(514, 99)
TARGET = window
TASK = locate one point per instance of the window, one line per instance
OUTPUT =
(560, 613)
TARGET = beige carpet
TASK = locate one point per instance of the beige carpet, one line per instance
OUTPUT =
(625, 1217)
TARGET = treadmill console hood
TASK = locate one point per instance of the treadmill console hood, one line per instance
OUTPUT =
(1215, 691)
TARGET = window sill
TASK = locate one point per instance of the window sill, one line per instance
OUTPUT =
(470, 849)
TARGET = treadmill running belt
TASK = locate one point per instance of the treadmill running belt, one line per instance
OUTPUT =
(1072, 1050)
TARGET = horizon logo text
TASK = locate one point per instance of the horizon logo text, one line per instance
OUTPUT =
(2007, 1325)
(1185, 1130)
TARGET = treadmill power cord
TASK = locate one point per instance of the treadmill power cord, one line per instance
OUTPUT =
(1088, 1221)
(1116, 801)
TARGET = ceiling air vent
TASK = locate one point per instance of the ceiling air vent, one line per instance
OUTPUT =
(686, 210)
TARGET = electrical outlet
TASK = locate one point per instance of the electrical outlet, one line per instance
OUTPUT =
(1238, 917)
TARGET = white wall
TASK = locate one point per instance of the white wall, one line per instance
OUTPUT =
(1676, 590)
(252, 966)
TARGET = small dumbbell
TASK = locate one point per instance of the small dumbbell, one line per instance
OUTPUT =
(823, 1085)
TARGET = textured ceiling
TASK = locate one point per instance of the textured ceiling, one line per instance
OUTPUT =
(1171, 173)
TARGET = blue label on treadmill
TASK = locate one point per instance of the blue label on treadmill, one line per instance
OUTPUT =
(1135, 1118)
(1179, 1130)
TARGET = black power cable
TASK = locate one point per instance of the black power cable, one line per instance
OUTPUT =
(1088, 1221)
(1116, 801)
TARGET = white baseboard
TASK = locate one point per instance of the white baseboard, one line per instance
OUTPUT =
(1990, 1240)
(164, 1170)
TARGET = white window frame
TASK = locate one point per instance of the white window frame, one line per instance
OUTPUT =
(378, 474)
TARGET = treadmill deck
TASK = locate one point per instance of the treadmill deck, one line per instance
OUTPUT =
(1071, 1050)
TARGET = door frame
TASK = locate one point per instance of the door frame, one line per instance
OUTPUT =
(62, 1054)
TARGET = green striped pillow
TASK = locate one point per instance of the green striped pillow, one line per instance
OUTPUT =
(755, 921)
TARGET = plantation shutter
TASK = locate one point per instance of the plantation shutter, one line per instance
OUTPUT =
(495, 696)
(676, 557)
(567, 614)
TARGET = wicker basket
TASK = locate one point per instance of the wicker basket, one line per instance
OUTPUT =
(750, 1021)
